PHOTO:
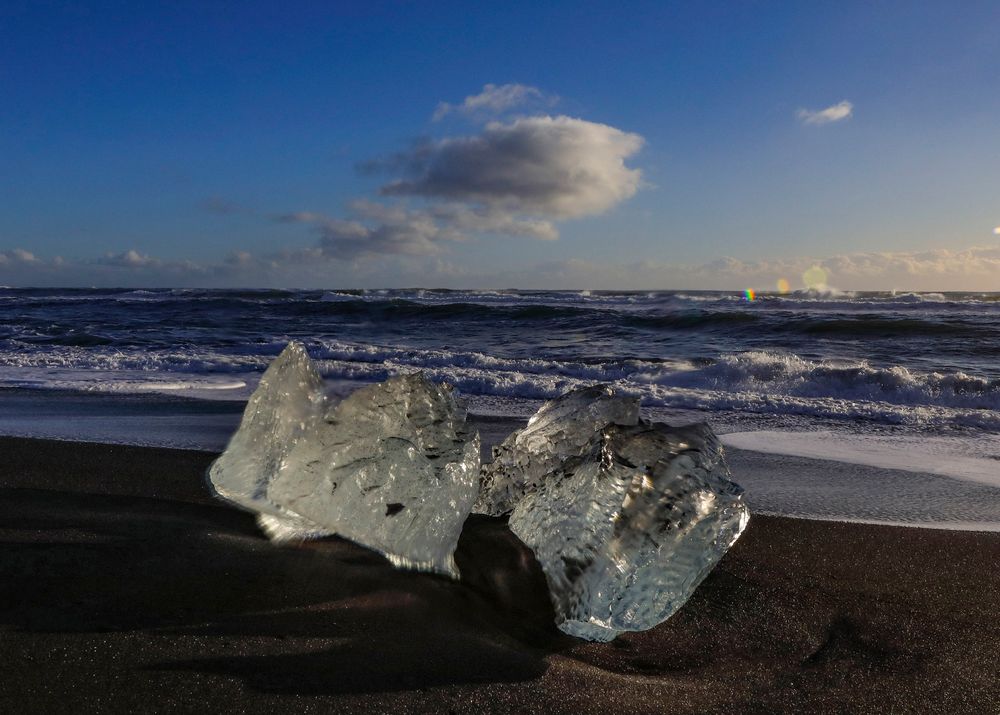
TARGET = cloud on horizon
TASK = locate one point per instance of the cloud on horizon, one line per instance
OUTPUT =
(973, 269)
(128, 259)
(834, 113)
(19, 257)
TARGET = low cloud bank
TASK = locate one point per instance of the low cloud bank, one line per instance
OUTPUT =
(970, 269)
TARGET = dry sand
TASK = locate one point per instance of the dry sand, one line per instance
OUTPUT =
(124, 587)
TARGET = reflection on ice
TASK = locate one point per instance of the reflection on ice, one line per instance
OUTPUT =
(625, 517)
(392, 467)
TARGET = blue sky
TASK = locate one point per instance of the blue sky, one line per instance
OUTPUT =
(668, 145)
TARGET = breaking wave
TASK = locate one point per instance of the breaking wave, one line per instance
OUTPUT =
(756, 381)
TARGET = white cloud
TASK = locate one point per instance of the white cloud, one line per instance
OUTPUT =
(388, 231)
(128, 259)
(494, 100)
(515, 178)
(18, 256)
(378, 229)
(549, 167)
(834, 113)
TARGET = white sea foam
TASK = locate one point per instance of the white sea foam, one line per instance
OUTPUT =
(757, 381)
(919, 297)
(972, 459)
(946, 524)
(128, 382)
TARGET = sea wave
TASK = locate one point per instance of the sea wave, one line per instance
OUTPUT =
(893, 357)
(754, 381)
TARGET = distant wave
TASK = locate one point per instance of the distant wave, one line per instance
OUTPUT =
(52, 320)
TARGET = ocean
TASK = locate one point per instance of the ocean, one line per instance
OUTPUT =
(926, 360)
(905, 381)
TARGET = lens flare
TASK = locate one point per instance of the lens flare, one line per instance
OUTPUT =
(814, 278)
(997, 230)
(783, 286)
(750, 295)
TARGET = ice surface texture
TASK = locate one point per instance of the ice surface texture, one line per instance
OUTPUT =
(392, 467)
(285, 408)
(624, 519)
(561, 429)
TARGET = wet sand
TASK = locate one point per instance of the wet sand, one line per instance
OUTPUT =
(124, 586)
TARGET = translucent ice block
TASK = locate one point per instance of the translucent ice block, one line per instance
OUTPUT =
(625, 520)
(393, 467)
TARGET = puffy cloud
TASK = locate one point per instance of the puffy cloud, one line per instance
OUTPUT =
(377, 229)
(833, 113)
(494, 100)
(18, 256)
(553, 167)
(128, 259)
(514, 178)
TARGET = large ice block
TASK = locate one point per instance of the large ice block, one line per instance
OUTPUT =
(284, 409)
(625, 520)
(393, 467)
(561, 429)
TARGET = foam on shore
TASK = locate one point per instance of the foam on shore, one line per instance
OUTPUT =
(975, 459)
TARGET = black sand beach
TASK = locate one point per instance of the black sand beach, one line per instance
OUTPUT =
(126, 587)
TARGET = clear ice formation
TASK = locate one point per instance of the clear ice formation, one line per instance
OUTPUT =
(285, 408)
(561, 429)
(392, 467)
(625, 519)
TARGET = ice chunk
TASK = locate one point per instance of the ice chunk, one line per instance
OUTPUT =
(393, 467)
(627, 529)
(562, 428)
(286, 406)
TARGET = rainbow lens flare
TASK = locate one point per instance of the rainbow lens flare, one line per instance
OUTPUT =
(783, 286)
(750, 295)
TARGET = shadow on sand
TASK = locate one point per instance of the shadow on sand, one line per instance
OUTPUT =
(75, 563)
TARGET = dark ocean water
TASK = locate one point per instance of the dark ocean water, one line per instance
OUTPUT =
(931, 361)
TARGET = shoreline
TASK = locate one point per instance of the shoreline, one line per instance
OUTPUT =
(783, 485)
(127, 586)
